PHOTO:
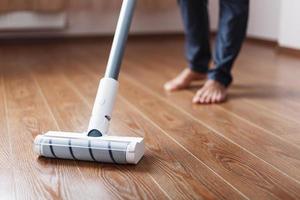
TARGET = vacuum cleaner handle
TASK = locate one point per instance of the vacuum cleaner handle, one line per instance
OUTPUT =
(120, 38)
(108, 87)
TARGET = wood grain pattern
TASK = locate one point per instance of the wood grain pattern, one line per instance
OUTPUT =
(211, 149)
(266, 120)
(50, 6)
(72, 113)
(99, 17)
(114, 5)
(269, 81)
(6, 166)
(27, 117)
(149, 106)
(272, 103)
(285, 93)
(237, 150)
(173, 168)
(273, 97)
(155, 5)
(279, 153)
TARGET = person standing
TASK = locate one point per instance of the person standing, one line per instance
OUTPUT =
(231, 33)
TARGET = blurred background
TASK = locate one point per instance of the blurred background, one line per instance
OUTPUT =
(272, 20)
(52, 55)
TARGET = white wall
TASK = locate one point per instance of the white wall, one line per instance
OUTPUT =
(264, 19)
(289, 35)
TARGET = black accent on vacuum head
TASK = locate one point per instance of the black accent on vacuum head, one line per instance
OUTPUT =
(111, 154)
(108, 117)
(91, 151)
(94, 133)
(71, 150)
(51, 149)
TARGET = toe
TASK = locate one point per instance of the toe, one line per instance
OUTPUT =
(219, 97)
(208, 98)
(183, 80)
(203, 96)
(210, 93)
(170, 86)
(196, 98)
(167, 86)
(214, 97)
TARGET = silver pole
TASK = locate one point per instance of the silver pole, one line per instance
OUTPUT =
(120, 39)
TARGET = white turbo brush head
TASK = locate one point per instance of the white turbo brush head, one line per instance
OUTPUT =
(77, 146)
(95, 144)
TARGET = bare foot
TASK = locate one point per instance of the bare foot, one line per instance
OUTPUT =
(211, 92)
(183, 80)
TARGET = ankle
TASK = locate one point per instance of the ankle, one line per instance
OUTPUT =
(214, 82)
(190, 74)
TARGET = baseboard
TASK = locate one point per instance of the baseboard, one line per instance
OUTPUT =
(289, 51)
(275, 45)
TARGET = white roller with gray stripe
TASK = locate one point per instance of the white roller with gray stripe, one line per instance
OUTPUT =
(75, 146)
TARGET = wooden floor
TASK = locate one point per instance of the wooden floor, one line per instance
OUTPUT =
(246, 148)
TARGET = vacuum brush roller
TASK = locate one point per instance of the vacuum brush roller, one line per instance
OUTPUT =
(75, 146)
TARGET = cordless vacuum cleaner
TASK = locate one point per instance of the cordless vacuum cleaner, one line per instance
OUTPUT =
(95, 144)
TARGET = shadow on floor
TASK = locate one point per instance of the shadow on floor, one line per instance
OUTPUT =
(143, 166)
(256, 91)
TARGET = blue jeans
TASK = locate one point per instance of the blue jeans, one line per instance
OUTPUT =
(231, 34)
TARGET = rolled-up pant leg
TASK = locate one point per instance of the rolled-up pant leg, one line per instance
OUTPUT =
(196, 25)
(231, 34)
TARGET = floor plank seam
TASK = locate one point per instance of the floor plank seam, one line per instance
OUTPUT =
(145, 117)
(271, 111)
(45, 100)
(8, 128)
(77, 92)
(51, 113)
(246, 148)
(207, 126)
(167, 195)
(287, 116)
(88, 104)
(158, 127)
(259, 127)
(125, 100)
